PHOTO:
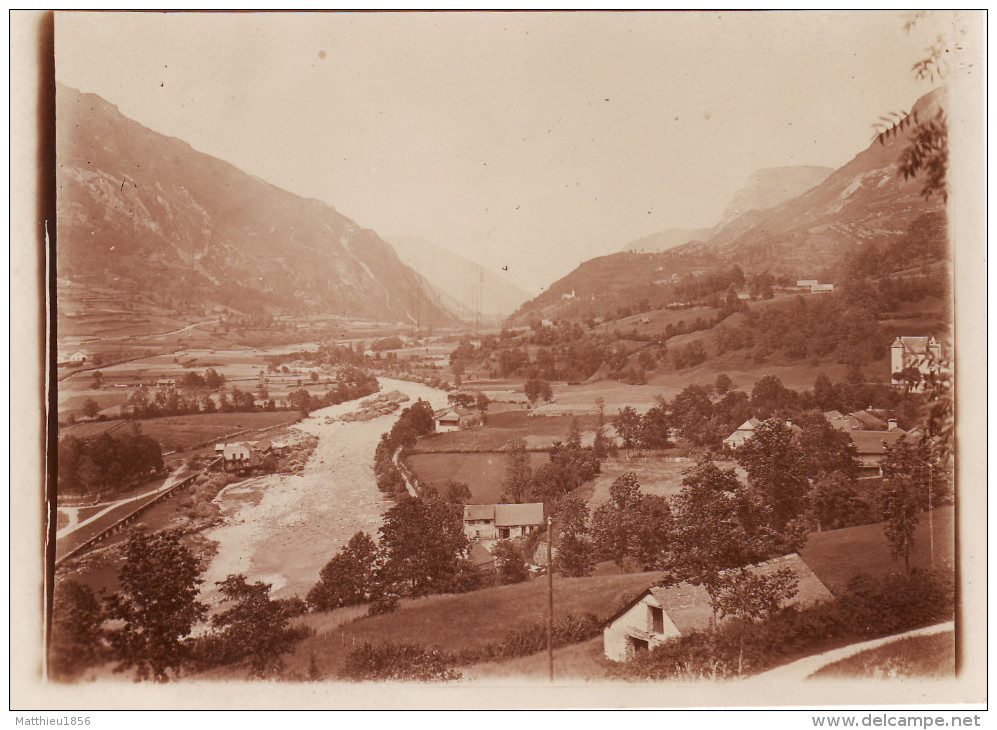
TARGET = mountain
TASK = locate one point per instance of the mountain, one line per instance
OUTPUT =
(769, 187)
(471, 288)
(764, 189)
(145, 217)
(815, 233)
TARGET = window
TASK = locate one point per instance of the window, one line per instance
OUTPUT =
(657, 620)
(637, 645)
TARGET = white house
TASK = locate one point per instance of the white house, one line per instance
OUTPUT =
(922, 353)
(447, 420)
(502, 521)
(660, 614)
(744, 432)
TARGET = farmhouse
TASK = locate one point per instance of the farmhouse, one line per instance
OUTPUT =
(871, 448)
(857, 420)
(744, 432)
(502, 521)
(924, 354)
(454, 419)
(660, 614)
(240, 456)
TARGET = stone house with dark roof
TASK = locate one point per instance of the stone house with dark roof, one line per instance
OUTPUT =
(502, 521)
(661, 614)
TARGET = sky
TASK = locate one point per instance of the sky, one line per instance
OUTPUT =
(526, 141)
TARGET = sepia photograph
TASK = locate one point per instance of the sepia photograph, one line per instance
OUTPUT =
(499, 360)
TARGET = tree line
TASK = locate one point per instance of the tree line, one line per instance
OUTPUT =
(106, 464)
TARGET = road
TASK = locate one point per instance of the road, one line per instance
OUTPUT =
(78, 532)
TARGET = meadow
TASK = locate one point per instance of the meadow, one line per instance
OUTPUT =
(482, 472)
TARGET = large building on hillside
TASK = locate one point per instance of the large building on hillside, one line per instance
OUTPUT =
(924, 354)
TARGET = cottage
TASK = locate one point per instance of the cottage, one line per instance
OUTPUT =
(744, 432)
(805, 283)
(924, 354)
(502, 521)
(454, 419)
(447, 420)
(77, 358)
(871, 448)
(660, 614)
(240, 456)
(856, 420)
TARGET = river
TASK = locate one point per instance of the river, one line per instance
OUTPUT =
(281, 528)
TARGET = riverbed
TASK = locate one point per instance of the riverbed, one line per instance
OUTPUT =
(283, 528)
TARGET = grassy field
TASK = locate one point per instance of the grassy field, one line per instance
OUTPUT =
(657, 474)
(916, 656)
(184, 432)
(584, 661)
(483, 473)
(837, 555)
(470, 620)
(539, 432)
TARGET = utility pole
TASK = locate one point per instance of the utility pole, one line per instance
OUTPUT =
(550, 600)
(931, 519)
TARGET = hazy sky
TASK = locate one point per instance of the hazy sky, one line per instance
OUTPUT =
(532, 141)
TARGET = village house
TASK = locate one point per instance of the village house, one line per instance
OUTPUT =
(660, 614)
(239, 456)
(744, 432)
(454, 419)
(871, 449)
(502, 521)
(924, 354)
(858, 420)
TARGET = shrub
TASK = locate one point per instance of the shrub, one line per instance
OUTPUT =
(384, 660)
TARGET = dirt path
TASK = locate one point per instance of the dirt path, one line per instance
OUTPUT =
(803, 668)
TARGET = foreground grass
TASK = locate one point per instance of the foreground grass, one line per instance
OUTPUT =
(454, 623)
(837, 555)
(917, 656)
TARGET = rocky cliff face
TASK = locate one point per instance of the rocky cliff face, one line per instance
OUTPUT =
(146, 215)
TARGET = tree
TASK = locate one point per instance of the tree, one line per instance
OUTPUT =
(481, 402)
(770, 396)
(631, 525)
(716, 525)
(461, 400)
(77, 634)
(775, 471)
(424, 547)
(509, 563)
(156, 607)
(302, 400)
(723, 384)
(213, 379)
(825, 449)
(90, 408)
(573, 550)
(911, 484)
(348, 578)
(627, 424)
(691, 411)
(747, 597)
(256, 627)
(518, 483)
(457, 493)
(835, 502)
(537, 390)
(655, 427)
(97, 380)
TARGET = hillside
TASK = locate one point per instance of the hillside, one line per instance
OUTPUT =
(764, 189)
(816, 234)
(145, 220)
(466, 287)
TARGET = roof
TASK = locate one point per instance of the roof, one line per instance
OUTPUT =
(868, 421)
(479, 512)
(915, 345)
(688, 606)
(507, 515)
(875, 442)
(829, 415)
(448, 414)
(263, 445)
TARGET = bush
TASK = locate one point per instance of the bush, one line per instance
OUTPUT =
(384, 660)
